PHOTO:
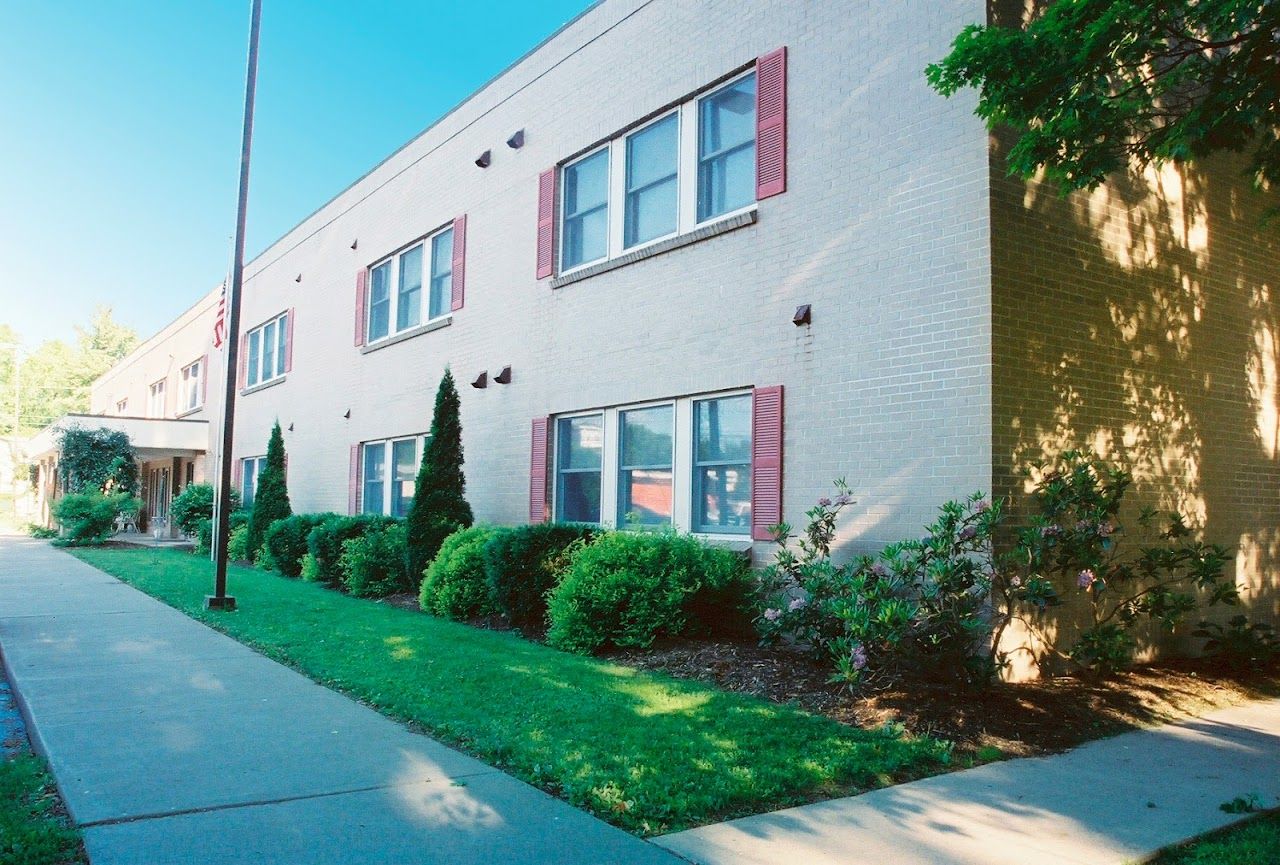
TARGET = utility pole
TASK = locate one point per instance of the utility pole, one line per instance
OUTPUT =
(220, 600)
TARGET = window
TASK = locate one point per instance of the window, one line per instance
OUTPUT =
(155, 399)
(250, 470)
(688, 167)
(192, 395)
(389, 472)
(122, 406)
(395, 287)
(685, 462)
(268, 350)
(581, 449)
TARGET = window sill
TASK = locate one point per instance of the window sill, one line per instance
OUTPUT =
(180, 415)
(434, 324)
(706, 232)
(263, 385)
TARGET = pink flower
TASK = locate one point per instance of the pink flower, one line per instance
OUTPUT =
(1015, 581)
(1083, 526)
(968, 533)
(982, 506)
(771, 615)
(1086, 578)
(796, 604)
(824, 502)
(1105, 530)
(858, 657)
(879, 570)
(844, 499)
(1050, 531)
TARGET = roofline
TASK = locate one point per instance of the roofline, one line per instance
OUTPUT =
(146, 344)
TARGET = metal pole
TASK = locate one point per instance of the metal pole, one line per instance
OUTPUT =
(220, 600)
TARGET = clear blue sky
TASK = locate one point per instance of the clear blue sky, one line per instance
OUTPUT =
(120, 132)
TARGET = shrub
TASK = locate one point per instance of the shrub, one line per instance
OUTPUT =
(90, 517)
(454, 585)
(286, 541)
(204, 531)
(325, 541)
(917, 608)
(97, 460)
(373, 564)
(271, 500)
(310, 571)
(630, 588)
(195, 504)
(524, 563)
(1241, 644)
(439, 498)
(238, 544)
(43, 533)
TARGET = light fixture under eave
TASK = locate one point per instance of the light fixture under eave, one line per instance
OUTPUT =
(290, 427)
(482, 380)
(299, 278)
(503, 377)
(804, 315)
(484, 159)
(348, 414)
(355, 243)
(516, 141)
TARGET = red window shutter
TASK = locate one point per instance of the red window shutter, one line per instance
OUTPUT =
(546, 223)
(242, 371)
(538, 471)
(459, 261)
(353, 482)
(362, 294)
(766, 461)
(288, 341)
(771, 123)
(204, 380)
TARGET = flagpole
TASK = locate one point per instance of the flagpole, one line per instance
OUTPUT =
(220, 600)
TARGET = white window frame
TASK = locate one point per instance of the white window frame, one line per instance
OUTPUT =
(259, 463)
(686, 180)
(682, 462)
(122, 405)
(192, 392)
(254, 359)
(157, 389)
(426, 242)
(388, 445)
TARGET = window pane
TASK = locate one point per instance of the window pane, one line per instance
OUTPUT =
(409, 294)
(441, 273)
(248, 482)
(380, 301)
(283, 344)
(269, 352)
(644, 482)
(580, 450)
(255, 342)
(581, 442)
(404, 459)
(726, 148)
(578, 497)
(722, 499)
(652, 159)
(375, 464)
(723, 429)
(586, 212)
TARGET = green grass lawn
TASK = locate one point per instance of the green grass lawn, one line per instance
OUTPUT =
(1256, 842)
(31, 832)
(646, 752)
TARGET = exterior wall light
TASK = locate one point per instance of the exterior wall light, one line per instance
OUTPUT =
(804, 315)
(484, 159)
(503, 377)
(481, 381)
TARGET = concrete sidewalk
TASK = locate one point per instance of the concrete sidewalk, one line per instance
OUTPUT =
(174, 744)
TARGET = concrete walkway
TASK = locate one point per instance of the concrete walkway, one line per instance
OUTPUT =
(173, 743)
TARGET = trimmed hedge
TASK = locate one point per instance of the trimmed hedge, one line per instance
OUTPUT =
(90, 517)
(374, 565)
(454, 585)
(524, 563)
(627, 589)
(204, 531)
(286, 541)
(325, 541)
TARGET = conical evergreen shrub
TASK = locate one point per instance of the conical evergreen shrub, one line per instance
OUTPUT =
(271, 500)
(439, 500)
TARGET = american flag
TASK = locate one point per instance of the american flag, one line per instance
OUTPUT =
(220, 322)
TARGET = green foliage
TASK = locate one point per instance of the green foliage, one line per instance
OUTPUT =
(42, 533)
(325, 542)
(204, 529)
(286, 541)
(1252, 842)
(646, 752)
(194, 505)
(1241, 644)
(373, 564)
(90, 517)
(238, 544)
(1242, 805)
(31, 832)
(439, 499)
(310, 571)
(454, 585)
(1092, 86)
(98, 460)
(917, 609)
(524, 563)
(271, 499)
(629, 588)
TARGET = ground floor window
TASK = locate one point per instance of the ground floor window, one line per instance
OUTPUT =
(389, 472)
(250, 470)
(683, 462)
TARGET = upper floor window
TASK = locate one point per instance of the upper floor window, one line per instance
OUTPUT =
(155, 399)
(396, 286)
(268, 350)
(192, 393)
(389, 473)
(122, 406)
(679, 171)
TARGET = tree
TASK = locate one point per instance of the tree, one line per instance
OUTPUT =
(1091, 87)
(439, 502)
(97, 460)
(271, 500)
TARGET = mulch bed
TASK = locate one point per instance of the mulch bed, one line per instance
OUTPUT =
(1021, 719)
